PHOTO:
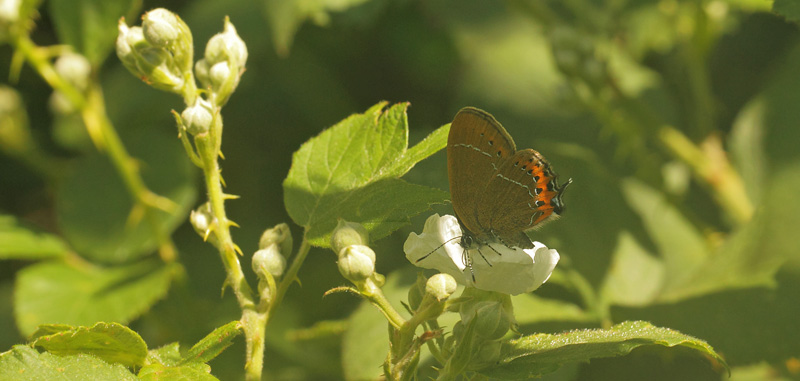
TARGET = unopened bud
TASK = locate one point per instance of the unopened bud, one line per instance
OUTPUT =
(197, 119)
(279, 234)
(75, 69)
(226, 46)
(269, 260)
(160, 52)
(161, 27)
(348, 233)
(441, 286)
(493, 313)
(223, 63)
(203, 220)
(356, 263)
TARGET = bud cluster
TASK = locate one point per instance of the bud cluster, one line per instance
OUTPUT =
(159, 52)
(223, 63)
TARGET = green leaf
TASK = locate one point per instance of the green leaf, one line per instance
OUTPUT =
(790, 9)
(286, 16)
(89, 26)
(169, 355)
(49, 329)
(111, 342)
(25, 363)
(213, 344)
(540, 354)
(189, 372)
(81, 294)
(95, 209)
(349, 171)
(17, 242)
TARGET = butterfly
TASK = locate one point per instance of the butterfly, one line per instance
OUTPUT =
(498, 193)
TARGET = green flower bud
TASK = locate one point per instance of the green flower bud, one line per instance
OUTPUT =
(348, 233)
(197, 119)
(493, 312)
(269, 260)
(441, 286)
(75, 69)
(126, 39)
(226, 46)
(201, 72)
(356, 263)
(159, 58)
(164, 29)
(203, 220)
(59, 104)
(161, 27)
(491, 322)
(218, 74)
(225, 58)
(279, 234)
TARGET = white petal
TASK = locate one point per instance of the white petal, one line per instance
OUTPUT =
(426, 250)
(495, 267)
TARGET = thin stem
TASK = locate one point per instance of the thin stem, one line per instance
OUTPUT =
(291, 274)
(376, 297)
(714, 169)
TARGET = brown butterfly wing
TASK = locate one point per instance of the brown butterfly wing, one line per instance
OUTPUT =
(518, 197)
(476, 147)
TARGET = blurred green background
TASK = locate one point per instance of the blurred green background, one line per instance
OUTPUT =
(592, 85)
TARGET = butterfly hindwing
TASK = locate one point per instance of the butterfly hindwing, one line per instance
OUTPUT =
(476, 146)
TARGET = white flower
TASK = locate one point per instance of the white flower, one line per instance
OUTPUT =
(495, 266)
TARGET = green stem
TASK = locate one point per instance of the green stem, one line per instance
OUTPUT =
(726, 186)
(291, 274)
(253, 321)
(216, 197)
(374, 294)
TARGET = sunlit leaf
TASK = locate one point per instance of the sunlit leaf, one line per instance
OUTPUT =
(540, 354)
(111, 342)
(25, 363)
(350, 171)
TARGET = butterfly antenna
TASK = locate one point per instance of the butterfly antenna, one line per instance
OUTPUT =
(434, 250)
